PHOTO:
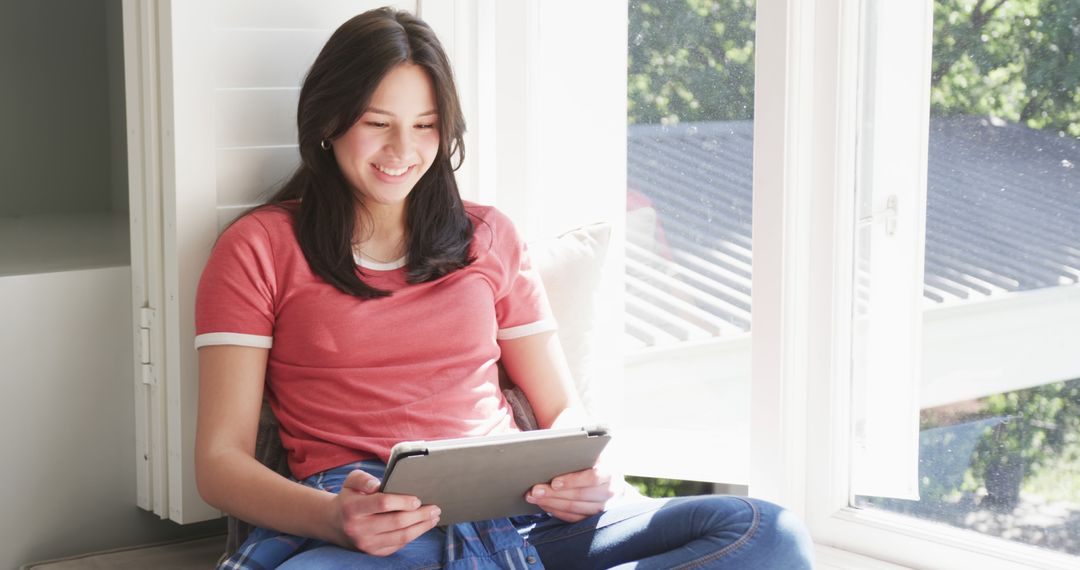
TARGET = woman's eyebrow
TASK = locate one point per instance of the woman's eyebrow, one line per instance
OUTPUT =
(379, 111)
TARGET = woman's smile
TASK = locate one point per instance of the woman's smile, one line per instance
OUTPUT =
(392, 172)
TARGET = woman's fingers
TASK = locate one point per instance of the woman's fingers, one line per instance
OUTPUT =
(381, 523)
(361, 482)
(378, 523)
(551, 504)
(396, 539)
(593, 477)
(355, 504)
(598, 494)
(592, 485)
(386, 533)
(574, 496)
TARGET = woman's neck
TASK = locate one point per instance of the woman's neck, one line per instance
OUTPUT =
(381, 232)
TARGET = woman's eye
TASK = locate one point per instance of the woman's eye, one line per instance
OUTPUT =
(377, 124)
(426, 126)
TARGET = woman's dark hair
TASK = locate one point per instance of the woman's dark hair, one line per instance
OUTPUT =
(335, 94)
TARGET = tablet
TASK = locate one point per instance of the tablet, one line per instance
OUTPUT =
(479, 478)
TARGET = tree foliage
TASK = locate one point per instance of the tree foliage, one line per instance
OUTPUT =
(1017, 60)
(690, 60)
(1043, 422)
(661, 488)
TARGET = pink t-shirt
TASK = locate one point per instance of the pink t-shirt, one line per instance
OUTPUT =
(348, 378)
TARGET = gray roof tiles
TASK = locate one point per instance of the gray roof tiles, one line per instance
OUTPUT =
(1003, 215)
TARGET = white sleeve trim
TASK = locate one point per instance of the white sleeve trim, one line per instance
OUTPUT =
(526, 330)
(239, 339)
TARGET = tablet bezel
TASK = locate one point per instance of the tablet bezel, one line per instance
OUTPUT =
(478, 478)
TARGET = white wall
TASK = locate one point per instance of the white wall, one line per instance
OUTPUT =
(67, 419)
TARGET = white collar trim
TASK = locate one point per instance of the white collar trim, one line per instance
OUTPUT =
(368, 263)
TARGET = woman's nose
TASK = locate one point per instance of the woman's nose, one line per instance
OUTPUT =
(400, 142)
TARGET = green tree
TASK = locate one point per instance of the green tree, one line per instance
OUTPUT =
(1018, 60)
(661, 488)
(690, 60)
(1043, 422)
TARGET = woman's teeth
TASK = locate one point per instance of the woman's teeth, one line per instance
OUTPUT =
(392, 171)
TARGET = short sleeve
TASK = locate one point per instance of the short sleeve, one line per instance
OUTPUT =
(234, 303)
(521, 305)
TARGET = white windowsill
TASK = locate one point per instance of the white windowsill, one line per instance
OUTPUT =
(662, 433)
(830, 558)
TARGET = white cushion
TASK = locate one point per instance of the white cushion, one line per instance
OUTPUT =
(570, 267)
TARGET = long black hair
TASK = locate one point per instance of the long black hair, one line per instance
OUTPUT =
(336, 91)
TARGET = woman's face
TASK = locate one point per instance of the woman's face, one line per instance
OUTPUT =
(394, 141)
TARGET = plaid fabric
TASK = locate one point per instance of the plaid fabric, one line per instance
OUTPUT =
(483, 545)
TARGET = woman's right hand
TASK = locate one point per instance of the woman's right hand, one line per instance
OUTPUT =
(379, 524)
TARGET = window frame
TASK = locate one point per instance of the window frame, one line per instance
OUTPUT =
(806, 122)
(807, 62)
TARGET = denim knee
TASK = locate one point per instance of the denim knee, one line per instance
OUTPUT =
(784, 535)
(750, 533)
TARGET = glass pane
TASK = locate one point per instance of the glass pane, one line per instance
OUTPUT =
(1000, 436)
(690, 99)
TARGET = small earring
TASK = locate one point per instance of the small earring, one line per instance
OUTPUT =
(325, 144)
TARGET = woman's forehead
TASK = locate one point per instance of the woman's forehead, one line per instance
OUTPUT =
(406, 90)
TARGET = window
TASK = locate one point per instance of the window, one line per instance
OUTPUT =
(690, 88)
(871, 96)
(999, 446)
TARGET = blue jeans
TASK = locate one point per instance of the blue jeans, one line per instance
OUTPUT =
(712, 531)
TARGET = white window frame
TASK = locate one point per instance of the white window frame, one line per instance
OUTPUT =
(806, 107)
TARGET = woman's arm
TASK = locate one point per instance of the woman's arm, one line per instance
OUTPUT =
(537, 365)
(231, 479)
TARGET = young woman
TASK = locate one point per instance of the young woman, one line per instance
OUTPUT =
(372, 304)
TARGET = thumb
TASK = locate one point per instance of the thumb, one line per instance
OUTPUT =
(361, 482)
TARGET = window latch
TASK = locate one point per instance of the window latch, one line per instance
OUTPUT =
(888, 215)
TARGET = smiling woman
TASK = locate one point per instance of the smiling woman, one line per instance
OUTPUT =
(379, 97)
(306, 300)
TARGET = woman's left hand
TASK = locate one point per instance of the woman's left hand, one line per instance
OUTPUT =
(578, 495)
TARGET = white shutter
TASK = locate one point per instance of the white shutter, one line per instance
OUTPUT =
(167, 53)
(142, 65)
(211, 97)
(894, 118)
